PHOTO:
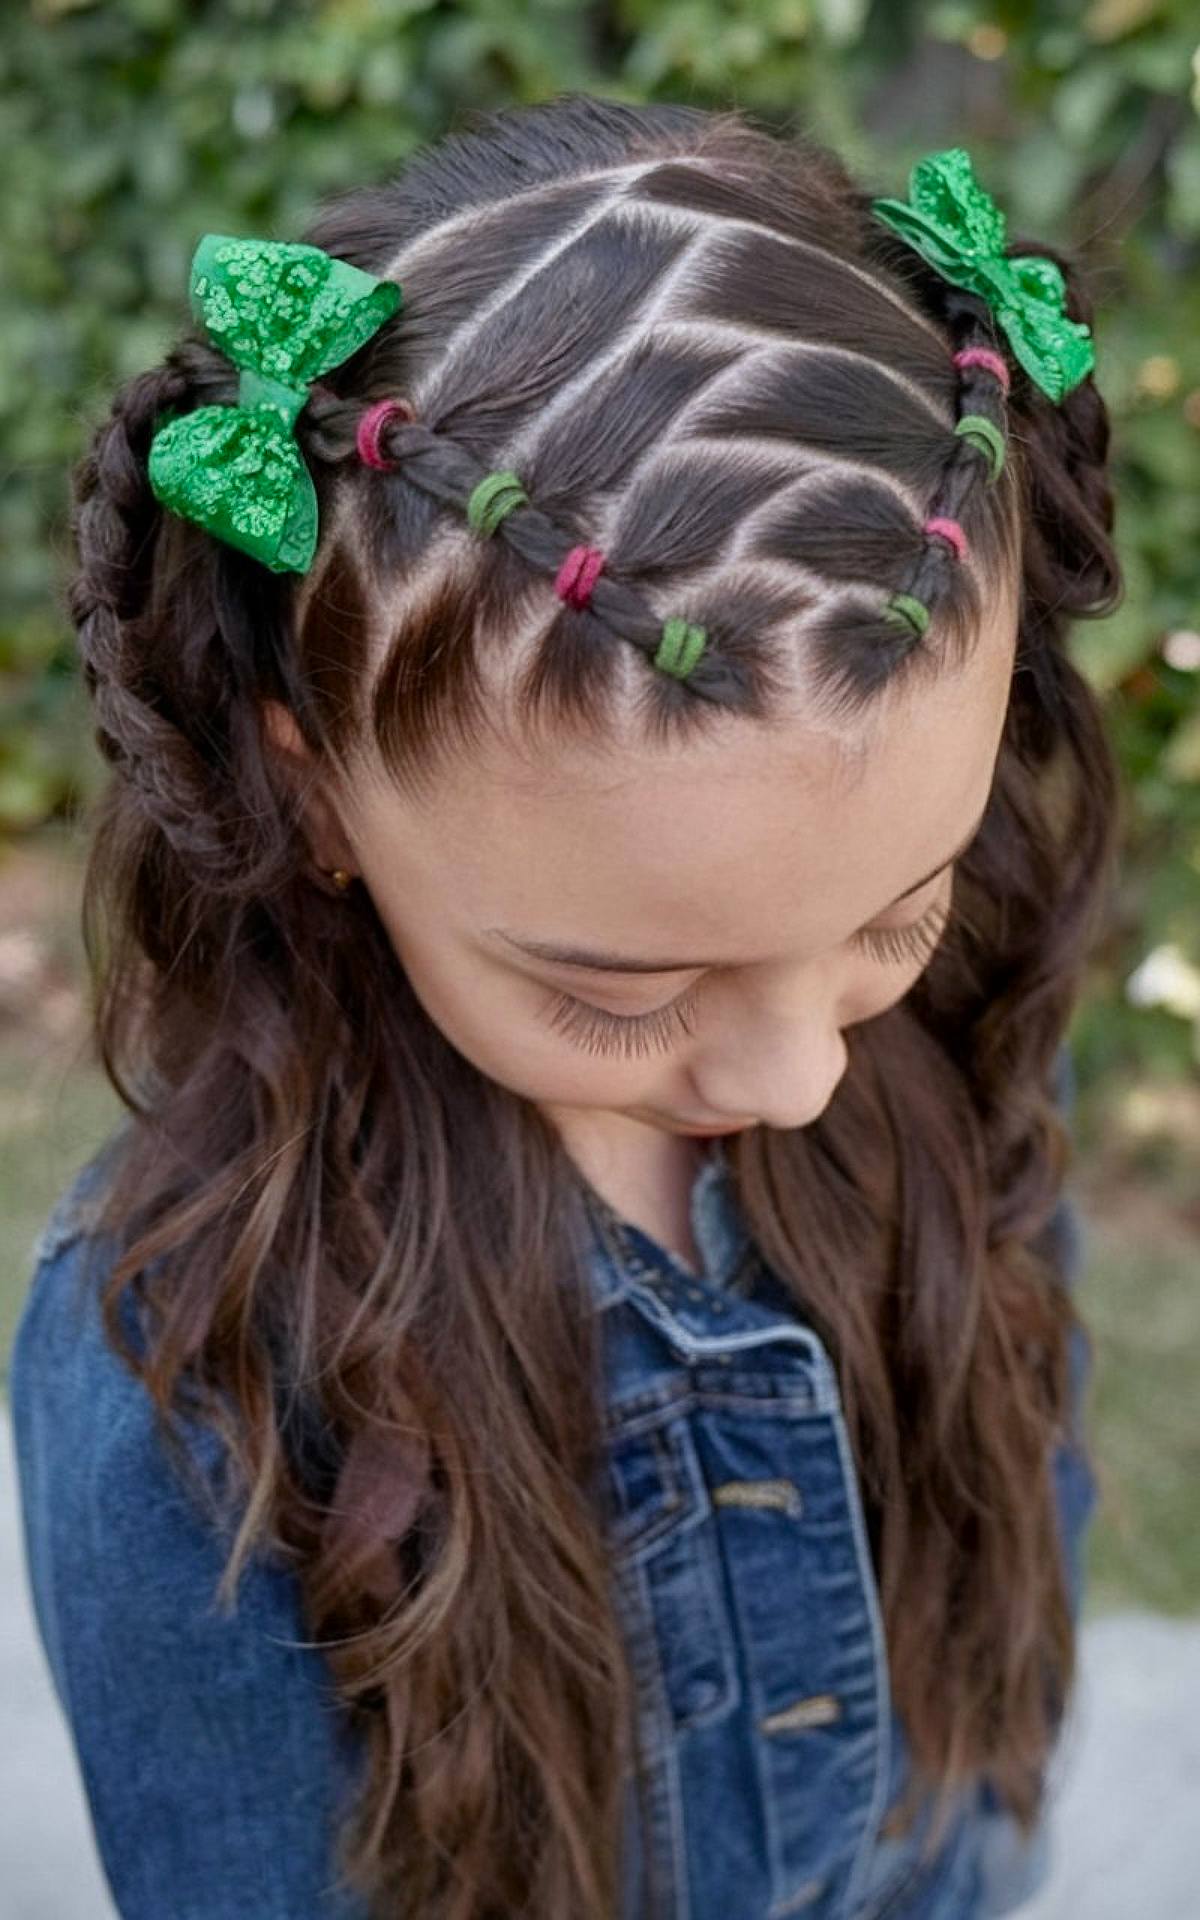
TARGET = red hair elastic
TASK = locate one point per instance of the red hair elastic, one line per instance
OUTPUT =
(371, 425)
(984, 357)
(949, 530)
(578, 575)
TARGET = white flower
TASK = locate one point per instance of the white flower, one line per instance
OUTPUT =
(1166, 978)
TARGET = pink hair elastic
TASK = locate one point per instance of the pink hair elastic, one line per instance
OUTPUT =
(984, 357)
(578, 575)
(371, 425)
(949, 530)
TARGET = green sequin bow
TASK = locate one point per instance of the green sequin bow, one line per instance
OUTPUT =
(284, 313)
(959, 229)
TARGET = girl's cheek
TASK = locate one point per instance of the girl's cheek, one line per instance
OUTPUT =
(885, 987)
(493, 1025)
(878, 985)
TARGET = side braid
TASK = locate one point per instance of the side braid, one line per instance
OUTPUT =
(389, 438)
(980, 431)
(115, 516)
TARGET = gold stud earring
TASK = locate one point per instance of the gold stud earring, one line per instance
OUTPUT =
(341, 879)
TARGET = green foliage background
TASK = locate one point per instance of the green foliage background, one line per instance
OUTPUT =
(132, 128)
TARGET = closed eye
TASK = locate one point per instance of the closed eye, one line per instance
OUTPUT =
(598, 1031)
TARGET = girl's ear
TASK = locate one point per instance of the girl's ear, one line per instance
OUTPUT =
(319, 817)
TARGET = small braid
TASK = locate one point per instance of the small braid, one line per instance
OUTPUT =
(114, 518)
(980, 427)
(388, 437)
(113, 512)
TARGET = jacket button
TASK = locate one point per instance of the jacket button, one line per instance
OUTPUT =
(815, 1710)
(784, 1494)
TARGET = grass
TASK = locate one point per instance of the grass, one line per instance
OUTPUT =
(1140, 1297)
(49, 1123)
(1138, 1289)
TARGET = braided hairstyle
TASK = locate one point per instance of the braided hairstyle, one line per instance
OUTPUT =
(659, 378)
(390, 436)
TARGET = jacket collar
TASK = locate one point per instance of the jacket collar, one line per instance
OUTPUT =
(625, 1251)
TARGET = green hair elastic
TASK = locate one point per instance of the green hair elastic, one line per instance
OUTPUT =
(498, 493)
(680, 647)
(905, 611)
(495, 496)
(986, 435)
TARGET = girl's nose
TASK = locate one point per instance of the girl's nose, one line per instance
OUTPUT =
(783, 1082)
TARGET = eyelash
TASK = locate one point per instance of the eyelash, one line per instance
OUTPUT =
(598, 1031)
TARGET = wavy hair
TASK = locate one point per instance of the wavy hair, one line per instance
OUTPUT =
(360, 1261)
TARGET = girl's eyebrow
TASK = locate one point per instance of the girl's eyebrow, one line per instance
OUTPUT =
(603, 961)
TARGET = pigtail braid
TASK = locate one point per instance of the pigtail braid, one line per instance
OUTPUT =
(172, 755)
(1071, 510)
(1071, 568)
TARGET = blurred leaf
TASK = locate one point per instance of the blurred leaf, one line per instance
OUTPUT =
(1181, 760)
(841, 20)
(1105, 650)
(1183, 179)
(1085, 98)
(1110, 19)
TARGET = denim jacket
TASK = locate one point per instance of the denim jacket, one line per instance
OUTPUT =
(213, 1753)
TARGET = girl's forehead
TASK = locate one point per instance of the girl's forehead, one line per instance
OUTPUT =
(756, 838)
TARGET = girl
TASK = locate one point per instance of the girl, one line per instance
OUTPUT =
(561, 1397)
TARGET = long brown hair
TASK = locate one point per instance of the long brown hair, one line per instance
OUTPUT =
(359, 1259)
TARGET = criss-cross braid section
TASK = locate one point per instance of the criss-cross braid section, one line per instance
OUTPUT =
(495, 501)
(980, 431)
(714, 337)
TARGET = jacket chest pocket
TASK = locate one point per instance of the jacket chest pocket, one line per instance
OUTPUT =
(670, 1582)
